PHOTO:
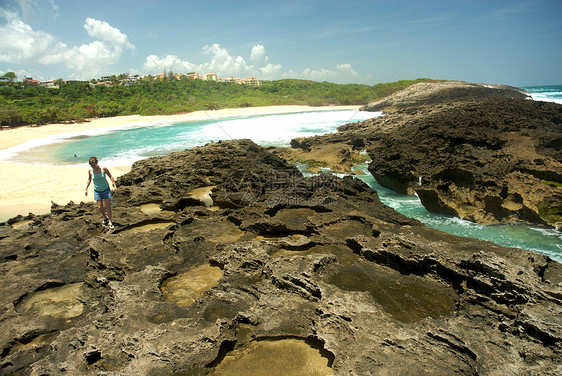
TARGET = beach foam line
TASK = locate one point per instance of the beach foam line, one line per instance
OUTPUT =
(107, 125)
(543, 97)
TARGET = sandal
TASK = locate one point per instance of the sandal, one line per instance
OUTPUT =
(111, 227)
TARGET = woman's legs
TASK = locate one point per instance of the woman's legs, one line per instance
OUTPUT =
(107, 202)
(104, 207)
(101, 208)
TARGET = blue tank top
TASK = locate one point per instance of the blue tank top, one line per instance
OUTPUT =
(100, 183)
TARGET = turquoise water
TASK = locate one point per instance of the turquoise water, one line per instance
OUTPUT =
(126, 146)
(123, 147)
(552, 93)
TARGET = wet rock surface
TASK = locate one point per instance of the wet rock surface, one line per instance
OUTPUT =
(471, 151)
(225, 260)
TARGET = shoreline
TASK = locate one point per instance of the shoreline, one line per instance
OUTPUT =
(30, 188)
(20, 135)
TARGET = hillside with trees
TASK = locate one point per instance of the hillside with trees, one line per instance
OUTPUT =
(24, 104)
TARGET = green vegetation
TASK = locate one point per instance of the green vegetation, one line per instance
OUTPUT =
(554, 183)
(22, 104)
(549, 212)
(11, 76)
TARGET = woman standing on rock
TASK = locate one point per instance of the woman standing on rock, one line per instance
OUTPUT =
(102, 193)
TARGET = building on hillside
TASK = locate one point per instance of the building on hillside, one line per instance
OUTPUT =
(5, 79)
(252, 81)
(193, 76)
(50, 84)
(30, 81)
(210, 77)
(129, 81)
(105, 78)
(232, 79)
(101, 83)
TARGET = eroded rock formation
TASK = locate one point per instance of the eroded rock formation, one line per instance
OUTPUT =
(224, 258)
(471, 151)
(492, 161)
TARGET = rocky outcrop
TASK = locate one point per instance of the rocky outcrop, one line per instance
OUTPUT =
(225, 259)
(492, 161)
(433, 93)
(338, 157)
(467, 150)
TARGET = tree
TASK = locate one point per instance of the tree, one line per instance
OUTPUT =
(11, 75)
(9, 116)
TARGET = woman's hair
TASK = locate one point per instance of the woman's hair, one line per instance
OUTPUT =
(92, 159)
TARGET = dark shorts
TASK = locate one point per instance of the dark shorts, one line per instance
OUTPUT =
(102, 195)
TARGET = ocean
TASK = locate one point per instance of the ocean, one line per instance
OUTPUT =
(551, 93)
(129, 144)
(126, 145)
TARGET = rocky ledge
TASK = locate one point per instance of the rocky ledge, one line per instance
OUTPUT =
(477, 152)
(433, 93)
(225, 260)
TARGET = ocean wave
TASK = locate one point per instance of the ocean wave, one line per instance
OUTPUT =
(280, 129)
(151, 138)
(546, 98)
(10, 153)
(551, 93)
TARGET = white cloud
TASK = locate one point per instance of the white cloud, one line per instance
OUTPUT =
(102, 30)
(20, 44)
(27, 8)
(259, 55)
(343, 73)
(270, 71)
(346, 68)
(221, 62)
(169, 63)
(30, 8)
(226, 65)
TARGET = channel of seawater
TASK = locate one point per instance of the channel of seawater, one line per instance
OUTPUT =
(123, 147)
(534, 238)
(543, 240)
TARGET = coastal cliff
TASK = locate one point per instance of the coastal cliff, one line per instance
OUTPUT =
(478, 152)
(224, 258)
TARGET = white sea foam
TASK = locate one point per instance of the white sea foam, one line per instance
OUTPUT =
(546, 97)
(9, 153)
(265, 129)
(280, 129)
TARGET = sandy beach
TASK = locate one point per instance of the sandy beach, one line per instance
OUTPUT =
(31, 188)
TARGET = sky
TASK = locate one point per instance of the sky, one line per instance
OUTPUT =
(512, 42)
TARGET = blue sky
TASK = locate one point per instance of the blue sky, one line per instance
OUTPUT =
(515, 42)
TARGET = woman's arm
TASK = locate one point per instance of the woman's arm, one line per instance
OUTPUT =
(111, 177)
(89, 181)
